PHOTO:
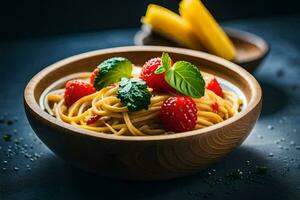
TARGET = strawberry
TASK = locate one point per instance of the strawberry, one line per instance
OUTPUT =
(93, 75)
(77, 89)
(215, 87)
(179, 114)
(155, 81)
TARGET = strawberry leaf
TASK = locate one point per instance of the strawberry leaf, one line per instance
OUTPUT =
(186, 78)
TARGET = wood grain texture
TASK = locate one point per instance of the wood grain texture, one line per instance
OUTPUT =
(251, 49)
(143, 157)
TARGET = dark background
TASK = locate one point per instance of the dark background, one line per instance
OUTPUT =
(36, 18)
(35, 34)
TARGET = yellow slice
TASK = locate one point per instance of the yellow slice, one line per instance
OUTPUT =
(207, 30)
(170, 25)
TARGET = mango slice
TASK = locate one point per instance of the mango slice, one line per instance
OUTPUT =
(207, 30)
(171, 25)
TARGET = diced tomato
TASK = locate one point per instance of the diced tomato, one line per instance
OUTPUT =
(215, 107)
(215, 87)
(93, 119)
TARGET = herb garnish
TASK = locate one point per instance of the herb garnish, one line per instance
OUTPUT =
(182, 76)
(111, 71)
(134, 93)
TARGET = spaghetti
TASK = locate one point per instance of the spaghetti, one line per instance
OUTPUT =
(113, 117)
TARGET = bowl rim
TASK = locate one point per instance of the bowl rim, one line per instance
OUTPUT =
(32, 104)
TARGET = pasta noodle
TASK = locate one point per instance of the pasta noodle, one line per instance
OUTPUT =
(116, 119)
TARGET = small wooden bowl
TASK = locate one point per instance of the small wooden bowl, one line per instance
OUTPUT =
(143, 157)
(251, 49)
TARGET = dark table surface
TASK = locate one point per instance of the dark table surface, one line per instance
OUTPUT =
(29, 170)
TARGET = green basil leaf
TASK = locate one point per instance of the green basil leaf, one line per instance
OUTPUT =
(111, 71)
(186, 78)
(134, 94)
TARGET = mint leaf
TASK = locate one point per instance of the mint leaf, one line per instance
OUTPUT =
(159, 70)
(111, 71)
(165, 64)
(134, 94)
(166, 60)
(186, 78)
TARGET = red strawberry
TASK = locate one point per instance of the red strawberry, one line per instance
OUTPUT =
(155, 81)
(178, 114)
(93, 75)
(76, 89)
(215, 87)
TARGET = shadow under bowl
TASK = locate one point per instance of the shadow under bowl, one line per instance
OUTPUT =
(143, 157)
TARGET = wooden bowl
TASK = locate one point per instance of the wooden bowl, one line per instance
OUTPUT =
(251, 49)
(143, 157)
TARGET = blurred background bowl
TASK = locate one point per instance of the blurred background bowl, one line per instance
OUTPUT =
(251, 49)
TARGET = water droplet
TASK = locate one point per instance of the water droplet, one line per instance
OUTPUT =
(280, 147)
(260, 136)
(271, 155)
(286, 148)
(294, 130)
(248, 162)
(16, 168)
(5, 162)
(280, 73)
(276, 141)
(270, 127)
(27, 155)
(284, 118)
(292, 143)
(3, 168)
(282, 139)
(298, 147)
(15, 131)
(16, 118)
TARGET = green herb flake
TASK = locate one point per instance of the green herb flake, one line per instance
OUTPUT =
(186, 78)
(111, 71)
(261, 169)
(7, 137)
(134, 94)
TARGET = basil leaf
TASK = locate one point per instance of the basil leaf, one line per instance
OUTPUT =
(165, 64)
(186, 78)
(134, 94)
(111, 71)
